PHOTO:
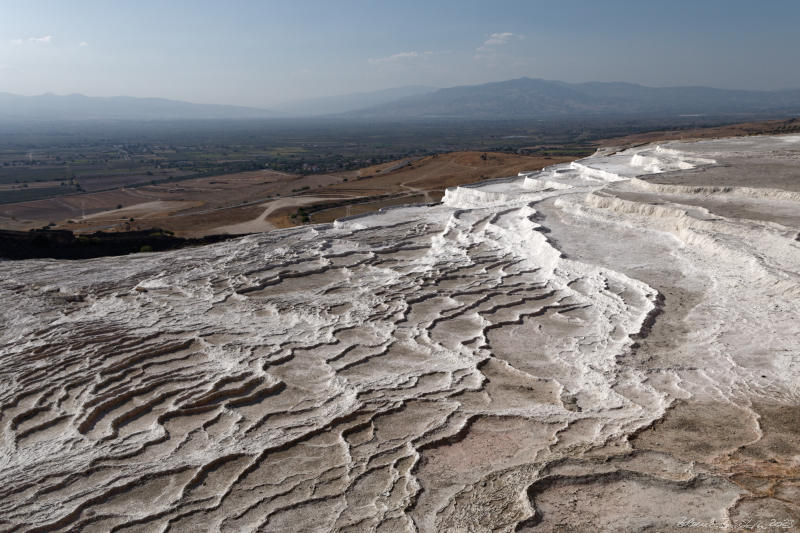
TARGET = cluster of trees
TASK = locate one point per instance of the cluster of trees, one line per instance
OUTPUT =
(302, 214)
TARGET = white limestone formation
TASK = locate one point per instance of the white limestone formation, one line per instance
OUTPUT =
(607, 345)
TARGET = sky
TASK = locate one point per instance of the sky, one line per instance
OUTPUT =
(262, 53)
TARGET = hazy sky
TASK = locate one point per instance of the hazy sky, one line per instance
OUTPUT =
(261, 53)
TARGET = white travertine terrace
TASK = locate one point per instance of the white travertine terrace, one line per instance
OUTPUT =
(590, 347)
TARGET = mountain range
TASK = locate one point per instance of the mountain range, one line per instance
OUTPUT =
(79, 107)
(522, 98)
(344, 103)
(535, 98)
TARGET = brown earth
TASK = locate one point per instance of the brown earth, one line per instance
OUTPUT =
(417, 181)
(765, 127)
(191, 208)
(263, 200)
(249, 200)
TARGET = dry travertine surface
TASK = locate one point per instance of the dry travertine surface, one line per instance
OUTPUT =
(610, 345)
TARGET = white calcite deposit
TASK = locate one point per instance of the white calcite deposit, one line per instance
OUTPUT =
(607, 345)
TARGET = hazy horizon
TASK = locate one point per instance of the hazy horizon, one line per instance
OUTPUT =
(264, 55)
(322, 97)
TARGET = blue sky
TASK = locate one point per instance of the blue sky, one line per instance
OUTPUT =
(261, 53)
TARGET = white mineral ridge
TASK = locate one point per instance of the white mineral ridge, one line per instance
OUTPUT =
(586, 347)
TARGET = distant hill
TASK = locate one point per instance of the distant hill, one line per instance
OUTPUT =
(80, 107)
(349, 102)
(535, 98)
(512, 99)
